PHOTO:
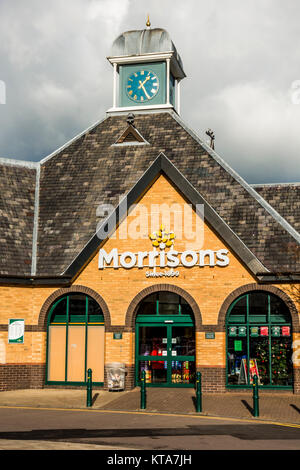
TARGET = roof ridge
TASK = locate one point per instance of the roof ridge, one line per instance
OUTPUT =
(256, 185)
(52, 154)
(14, 162)
(277, 217)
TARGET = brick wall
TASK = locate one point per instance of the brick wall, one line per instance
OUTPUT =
(115, 290)
(21, 376)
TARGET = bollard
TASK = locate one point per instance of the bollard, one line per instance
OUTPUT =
(143, 390)
(89, 389)
(255, 396)
(198, 392)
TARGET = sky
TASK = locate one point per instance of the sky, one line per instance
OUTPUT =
(241, 60)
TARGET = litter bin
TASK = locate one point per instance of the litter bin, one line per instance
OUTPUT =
(115, 376)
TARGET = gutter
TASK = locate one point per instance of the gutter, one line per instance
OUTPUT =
(6, 279)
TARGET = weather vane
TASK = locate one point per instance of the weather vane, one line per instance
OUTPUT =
(148, 24)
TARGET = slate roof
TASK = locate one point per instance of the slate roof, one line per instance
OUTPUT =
(91, 170)
(285, 198)
(17, 197)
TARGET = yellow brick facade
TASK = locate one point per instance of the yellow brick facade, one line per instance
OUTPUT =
(208, 286)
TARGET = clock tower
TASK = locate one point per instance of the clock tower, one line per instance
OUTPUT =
(147, 71)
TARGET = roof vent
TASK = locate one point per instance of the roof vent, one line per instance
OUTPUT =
(131, 136)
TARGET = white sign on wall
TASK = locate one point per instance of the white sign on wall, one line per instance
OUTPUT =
(16, 328)
(163, 256)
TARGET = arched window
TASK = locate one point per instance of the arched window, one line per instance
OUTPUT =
(75, 340)
(259, 341)
(164, 303)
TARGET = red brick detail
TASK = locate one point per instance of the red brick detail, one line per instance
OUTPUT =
(21, 376)
(213, 379)
(133, 307)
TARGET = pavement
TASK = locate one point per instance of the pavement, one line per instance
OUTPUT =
(277, 407)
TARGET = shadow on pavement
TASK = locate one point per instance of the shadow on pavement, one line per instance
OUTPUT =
(249, 408)
(249, 432)
(295, 407)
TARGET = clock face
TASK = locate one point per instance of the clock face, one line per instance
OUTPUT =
(142, 86)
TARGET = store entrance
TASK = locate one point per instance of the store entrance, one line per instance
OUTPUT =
(165, 344)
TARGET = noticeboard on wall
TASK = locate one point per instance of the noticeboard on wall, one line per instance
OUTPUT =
(16, 328)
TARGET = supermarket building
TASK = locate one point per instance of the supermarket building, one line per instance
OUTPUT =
(136, 242)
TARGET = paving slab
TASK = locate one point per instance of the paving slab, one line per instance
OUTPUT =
(57, 398)
(282, 407)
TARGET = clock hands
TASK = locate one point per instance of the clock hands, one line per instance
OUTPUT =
(142, 86)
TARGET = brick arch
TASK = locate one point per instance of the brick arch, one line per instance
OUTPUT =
(134, 304)
(68, 290)
(246, 289)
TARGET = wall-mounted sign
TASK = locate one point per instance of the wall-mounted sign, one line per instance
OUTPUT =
(16, 328)
(162, 256)
(117, 335)
(210, 335)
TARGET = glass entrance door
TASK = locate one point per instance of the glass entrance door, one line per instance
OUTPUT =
(167, 354)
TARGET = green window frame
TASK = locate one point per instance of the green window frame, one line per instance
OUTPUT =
(245, 327)
(65, 318)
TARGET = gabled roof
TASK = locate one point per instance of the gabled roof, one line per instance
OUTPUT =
(90, 170)
(162, 165)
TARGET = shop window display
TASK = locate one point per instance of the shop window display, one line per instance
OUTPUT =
(259, 341)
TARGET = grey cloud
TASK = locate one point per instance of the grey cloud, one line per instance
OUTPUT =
(241, 59)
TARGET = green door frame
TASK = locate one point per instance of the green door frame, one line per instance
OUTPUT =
(168, 322)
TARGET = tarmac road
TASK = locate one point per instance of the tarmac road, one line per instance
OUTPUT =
(52, 429)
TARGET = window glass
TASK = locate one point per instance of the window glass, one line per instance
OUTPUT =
(282, 366)
(152, 340)
(60, 311)
(185, 307)
(258, 307)
(279, 311)
(183, 372)
(148, 305)
(78, 348)
(259, 353)
(168, 303)
(237, 360)
(77, 304)
(239, 311)
(267, 336)
(183, 341)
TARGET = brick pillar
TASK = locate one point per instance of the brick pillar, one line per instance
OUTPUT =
(213, 379)
(297, 380)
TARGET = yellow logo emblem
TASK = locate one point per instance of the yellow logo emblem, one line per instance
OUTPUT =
(162, 239)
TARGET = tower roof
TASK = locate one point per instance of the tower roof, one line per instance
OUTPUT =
(145, 41)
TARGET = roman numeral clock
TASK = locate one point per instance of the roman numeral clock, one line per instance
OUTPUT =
(147, 71)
